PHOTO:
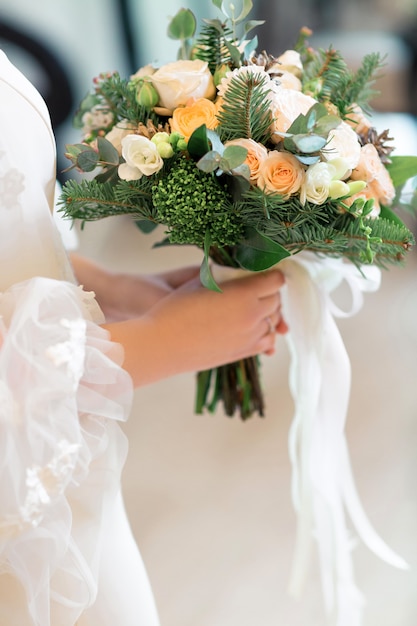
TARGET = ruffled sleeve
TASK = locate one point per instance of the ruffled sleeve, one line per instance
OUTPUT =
(62, 394)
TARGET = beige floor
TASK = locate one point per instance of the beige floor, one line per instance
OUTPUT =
(208, 497)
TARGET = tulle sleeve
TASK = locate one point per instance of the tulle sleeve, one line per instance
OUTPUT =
(62, 394)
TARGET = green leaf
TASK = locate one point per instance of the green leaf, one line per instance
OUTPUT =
(252, 24)
(107, 152)
(218, 4)
(246, 9)
(198, 144)
(250, 48)
(215, 141)
(309, 143)
(146, 226)
(257, 252)
(206, 276)
(234, 52)
(402, 168)
(209, 162)
(183, 25)
(87, 160)
(388, 214)
(326, 123)
(234, 156)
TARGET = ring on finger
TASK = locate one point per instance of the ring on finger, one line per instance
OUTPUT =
(271, 327)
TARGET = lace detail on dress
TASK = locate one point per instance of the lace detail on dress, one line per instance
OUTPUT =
(11, 186)
(44, 485)
(70, 352)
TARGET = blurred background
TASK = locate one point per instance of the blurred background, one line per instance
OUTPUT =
(209, 497)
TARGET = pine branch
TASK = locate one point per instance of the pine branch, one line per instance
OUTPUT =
(119, 95)
(245, 111)
(210, 46)
(89, 200)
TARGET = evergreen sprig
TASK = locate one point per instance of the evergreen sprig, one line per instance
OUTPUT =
(210, 46)
(245, 111)
(119, 95)
(90, 200)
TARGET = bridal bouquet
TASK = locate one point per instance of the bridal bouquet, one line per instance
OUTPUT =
(261, 160)
(252, 158)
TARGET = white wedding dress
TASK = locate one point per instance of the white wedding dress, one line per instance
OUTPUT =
(67, 554)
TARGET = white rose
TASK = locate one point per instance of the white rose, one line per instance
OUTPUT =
(141, 156)
(316, 185)
(179, 81)
(343, 142)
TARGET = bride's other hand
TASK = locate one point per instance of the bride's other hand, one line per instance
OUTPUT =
(125, 296)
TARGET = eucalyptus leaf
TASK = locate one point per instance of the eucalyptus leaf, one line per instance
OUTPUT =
(234, 52)
(307, 160)
(216, 143)
(87, 160)
(309, 143)
(252, 24)
(327, 123)
(183, 25)
(250, 48)
(210, 162)
(246, 9)
(107, 152)
(234, 156)
(216, 24)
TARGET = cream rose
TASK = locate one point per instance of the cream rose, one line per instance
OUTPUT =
(286, 106)
(343, 142)
(290, 60)
(179, 81)
(118, 132)
(257, 153)
(141, 156)
(280, 173)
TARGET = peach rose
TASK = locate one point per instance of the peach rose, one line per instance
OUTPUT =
(280, 173)
(257, 153)
(186, 119)
(286, 106)
(371, 169)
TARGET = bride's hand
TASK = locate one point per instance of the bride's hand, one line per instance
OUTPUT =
(194, 328)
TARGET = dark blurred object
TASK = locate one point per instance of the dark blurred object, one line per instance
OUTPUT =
(55, 86)
(409, 36)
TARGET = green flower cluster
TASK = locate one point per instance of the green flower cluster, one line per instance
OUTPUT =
(190, 203)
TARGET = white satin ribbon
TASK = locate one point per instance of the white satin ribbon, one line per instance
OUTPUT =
(323, 488)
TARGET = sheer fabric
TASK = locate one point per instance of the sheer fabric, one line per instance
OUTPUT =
(67, 554)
